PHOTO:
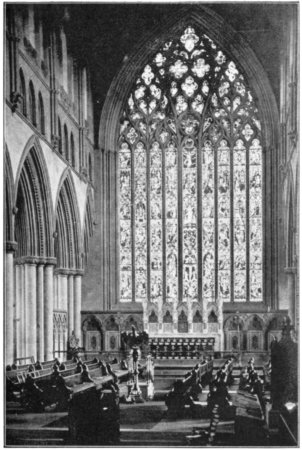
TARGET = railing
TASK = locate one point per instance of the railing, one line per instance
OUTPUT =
(59, 353)
(104, 355)
(30, 358)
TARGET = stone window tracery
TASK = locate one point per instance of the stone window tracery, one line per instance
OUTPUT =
(190, 162)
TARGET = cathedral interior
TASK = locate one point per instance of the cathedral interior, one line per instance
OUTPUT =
(151, 211)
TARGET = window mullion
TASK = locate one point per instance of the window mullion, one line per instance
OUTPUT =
(216, 293)
(133, 221)
(164, 253)
(231, 145)
(199, 219)
(247, 223)
(148, 216)
(179, 215)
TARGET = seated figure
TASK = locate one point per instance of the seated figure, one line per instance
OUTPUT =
(124, 365)
(55, 374)
(33, 397)
(38, 366)
(79, 367)
(62, 394)
(177, 398)
(244, 379)
(104, 369)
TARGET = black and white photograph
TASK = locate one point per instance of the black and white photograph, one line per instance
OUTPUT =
(151, 224)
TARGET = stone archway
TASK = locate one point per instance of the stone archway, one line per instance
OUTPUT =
(255, 335)
(112, 335)
(110, 126)
(93, 336)
(273, 331)
(233, 329)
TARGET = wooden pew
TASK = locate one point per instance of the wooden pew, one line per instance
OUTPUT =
(20, 374)
(227, 368)
(184, 391)
(49, 388)
(93, 416)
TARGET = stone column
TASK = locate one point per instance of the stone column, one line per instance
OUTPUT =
(9, 302)
(18, 309)
(291, 281)
(205, 315)
(63, 291)
(220, 325)
(145, 317)
(190, 317)
(40, 312)
(175, 318)
(31, 309)
(77, 306)
(71, 301)
(24, 312)
(48, 310)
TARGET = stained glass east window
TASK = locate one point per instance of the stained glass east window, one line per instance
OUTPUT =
(190, 184)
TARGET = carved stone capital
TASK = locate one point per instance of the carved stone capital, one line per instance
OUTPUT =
(37, 260)
(11, 246)
(50, 261)
(63, 271)
(66, 271)
(33, 260)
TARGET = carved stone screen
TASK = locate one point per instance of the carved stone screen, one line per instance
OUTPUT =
(190, 164)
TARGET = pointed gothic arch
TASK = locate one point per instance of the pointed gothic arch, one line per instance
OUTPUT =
(234, 46)
(88, 224)
(289, 218)
(66, 143)
(34, 217)
(41, 114)
(60, 147)
(32, 104)
(9, 198)
(23, 106)
(68, 244)
(224, 35)
(72, 150)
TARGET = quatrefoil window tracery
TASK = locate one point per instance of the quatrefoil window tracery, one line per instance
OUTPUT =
(190, 109)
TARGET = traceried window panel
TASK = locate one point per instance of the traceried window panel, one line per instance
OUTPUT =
(156, 222)
(224, 221)
(255, 212)
(140, 221)
(189, 219)
(191, 179)
(125, 223)
(171, 214)
(208, 221)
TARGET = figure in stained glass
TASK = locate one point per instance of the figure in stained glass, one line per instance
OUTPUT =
(167, 127)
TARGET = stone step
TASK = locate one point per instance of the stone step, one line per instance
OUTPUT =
(37, 442)
(36, 436)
